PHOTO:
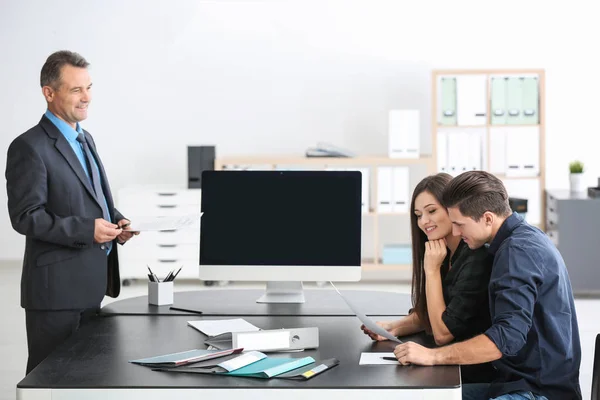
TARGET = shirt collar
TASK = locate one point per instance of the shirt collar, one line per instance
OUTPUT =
(506, 229)
(67, 130)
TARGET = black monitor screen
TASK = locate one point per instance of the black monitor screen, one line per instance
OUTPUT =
(281, 218)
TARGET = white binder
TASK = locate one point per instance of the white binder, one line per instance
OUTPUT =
(462, 151)
(400, 188)
(474, 160)
(403, 134)
(471, 98)
(454, 154)
(384, 189)
(497, 151)
(522, 152)
(442, 152)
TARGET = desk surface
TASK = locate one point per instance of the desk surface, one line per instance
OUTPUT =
(96, 357)
(243, 302)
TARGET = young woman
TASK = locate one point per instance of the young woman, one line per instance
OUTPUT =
(450, 281)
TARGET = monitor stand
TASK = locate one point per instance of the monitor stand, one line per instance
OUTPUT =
(283, 292)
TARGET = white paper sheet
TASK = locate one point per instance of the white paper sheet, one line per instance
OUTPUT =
(217, 327)
(368, 322)
(162, 223)
(376, 359)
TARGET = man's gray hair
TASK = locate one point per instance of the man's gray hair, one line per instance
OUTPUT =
(50, 75)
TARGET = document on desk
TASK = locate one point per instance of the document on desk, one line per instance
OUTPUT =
(368, 322)
(148, 224)
(377, 359)
(220, 326)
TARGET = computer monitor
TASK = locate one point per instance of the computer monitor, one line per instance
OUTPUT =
(283, 227)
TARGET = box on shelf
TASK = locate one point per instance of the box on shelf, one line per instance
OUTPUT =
(397, 254)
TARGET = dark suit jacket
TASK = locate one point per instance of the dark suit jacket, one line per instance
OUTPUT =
(52, 203)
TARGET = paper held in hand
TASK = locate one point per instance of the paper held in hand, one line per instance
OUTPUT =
(147, 224)
(369, 323)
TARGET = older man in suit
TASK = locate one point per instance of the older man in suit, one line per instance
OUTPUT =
(60, 199)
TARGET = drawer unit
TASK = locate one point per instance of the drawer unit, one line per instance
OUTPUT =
(165, 250)
(572, 221)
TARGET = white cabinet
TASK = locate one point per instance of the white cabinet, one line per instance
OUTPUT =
(165, 250)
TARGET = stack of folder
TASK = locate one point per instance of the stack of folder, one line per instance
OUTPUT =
(253, 364)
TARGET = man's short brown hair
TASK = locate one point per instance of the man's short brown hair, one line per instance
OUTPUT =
(50, 75)
(475, 192)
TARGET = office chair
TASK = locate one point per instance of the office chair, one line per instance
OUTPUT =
(596, 371)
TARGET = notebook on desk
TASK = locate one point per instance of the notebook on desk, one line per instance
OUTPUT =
(184, 357)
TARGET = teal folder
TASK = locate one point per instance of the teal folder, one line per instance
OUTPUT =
(531, 100)
(270, 367)
(448, 101)
(514, 101)
(498, 101)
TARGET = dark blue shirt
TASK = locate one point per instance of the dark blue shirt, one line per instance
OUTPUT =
(534, 323)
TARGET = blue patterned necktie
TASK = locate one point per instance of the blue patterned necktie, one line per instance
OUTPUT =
(94, 175)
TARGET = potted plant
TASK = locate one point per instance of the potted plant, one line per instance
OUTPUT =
(576, 176)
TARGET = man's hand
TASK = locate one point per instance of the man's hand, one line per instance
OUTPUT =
(387, 325)
(435, 253)
(124, 236)
(412, 353)
(105, 231)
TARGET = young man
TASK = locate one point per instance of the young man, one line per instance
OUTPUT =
(534, 339)
(60, 199)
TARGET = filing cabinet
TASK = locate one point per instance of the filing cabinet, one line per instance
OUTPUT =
(573, 225)
(164, 250)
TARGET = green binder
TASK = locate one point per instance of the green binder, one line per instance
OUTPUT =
(514, 101)
(448, 101)
(530, 101)
(498, 101)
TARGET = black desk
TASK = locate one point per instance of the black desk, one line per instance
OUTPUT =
(243, 302)
(93, 364)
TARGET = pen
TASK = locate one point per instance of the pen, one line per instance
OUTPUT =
(168, 277)
(390, 358)
(176, 273)
(185, 310)
(151, 278)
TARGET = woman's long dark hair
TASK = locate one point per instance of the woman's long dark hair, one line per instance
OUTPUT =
(435, 185)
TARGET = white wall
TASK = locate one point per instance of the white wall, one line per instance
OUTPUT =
(261, 77)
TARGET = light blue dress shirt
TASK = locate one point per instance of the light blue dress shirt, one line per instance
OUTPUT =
(71, 135)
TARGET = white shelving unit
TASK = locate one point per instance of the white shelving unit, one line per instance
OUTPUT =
(502, 114)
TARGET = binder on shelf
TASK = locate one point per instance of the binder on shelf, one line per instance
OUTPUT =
(442, 152)
(453, 154)
(497, 150)
(471, 99)
(530, 101)
(522, 152)
(400, 190)
(448, 101)
(384, 189)
(475, 150)
(514, 100)
(404, 135)
(462, 151)
(498, 101)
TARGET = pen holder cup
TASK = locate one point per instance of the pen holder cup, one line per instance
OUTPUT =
(160, 293)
